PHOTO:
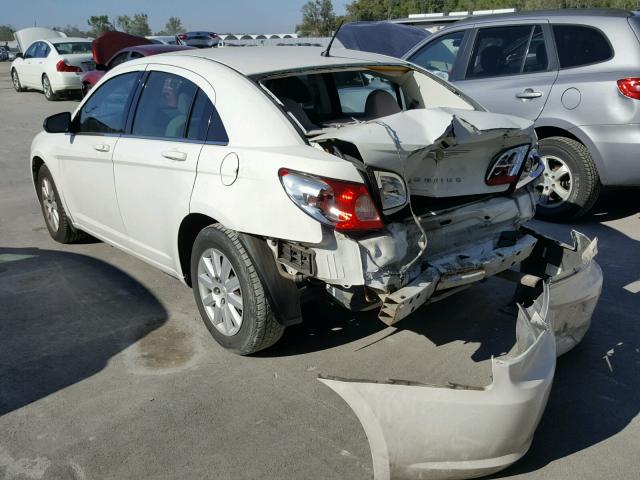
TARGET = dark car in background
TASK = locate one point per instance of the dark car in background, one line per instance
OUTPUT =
(126, 47)
(575, 73)
(199, 39)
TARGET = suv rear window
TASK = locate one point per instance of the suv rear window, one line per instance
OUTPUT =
(579, 45)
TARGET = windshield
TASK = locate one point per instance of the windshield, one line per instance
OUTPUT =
(73, 47)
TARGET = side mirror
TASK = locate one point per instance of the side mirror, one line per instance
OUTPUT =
(19, 55)
(58, 123)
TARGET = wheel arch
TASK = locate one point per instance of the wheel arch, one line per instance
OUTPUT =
(548, 131)
(36, 164)
(190, 226)
(283, 294)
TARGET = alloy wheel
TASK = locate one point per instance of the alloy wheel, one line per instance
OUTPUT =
(50, 205)
(46, 85)
(555, 184)
(16, 80)
(220, 292)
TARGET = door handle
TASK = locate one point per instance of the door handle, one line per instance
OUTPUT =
(175, 155)
(102, 147)
(528, 93)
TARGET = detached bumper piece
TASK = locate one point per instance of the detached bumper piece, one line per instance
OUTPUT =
(419, 431)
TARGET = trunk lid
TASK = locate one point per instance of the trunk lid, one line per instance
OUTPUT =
(82, 60)
(440, 152)
(27, 36)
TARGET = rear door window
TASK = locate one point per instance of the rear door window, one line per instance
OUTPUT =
(439, 55)
(507, 50)
(106, 110)
(164, 106)
(579, 45)
(205, 123)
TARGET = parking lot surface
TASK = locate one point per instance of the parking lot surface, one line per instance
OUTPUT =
(107, 371)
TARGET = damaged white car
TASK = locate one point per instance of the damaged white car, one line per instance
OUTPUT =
(252, 174)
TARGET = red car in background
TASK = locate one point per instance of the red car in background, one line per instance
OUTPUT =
(114, 48)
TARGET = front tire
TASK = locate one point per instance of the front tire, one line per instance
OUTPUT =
(15, 79)
(229, 293)
(570, 185)
(55, 217)
(46, 88)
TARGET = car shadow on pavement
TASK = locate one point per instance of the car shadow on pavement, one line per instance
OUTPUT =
(596, 391)
(63, 317)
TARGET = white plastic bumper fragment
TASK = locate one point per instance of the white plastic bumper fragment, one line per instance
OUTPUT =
(419, 431)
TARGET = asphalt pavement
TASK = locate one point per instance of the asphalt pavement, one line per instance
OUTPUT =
(107, 371)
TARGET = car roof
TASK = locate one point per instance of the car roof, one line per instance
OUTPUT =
(154, 49)
(68, 40)
(565, 13)
(252, 61)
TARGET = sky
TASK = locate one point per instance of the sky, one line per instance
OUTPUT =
(237, 16)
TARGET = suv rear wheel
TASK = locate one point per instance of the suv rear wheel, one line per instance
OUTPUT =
(570, 185)
(229, 293)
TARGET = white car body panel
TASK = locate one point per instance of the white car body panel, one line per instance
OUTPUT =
(419, 431)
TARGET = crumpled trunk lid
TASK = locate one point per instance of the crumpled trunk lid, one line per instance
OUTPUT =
(440, 152)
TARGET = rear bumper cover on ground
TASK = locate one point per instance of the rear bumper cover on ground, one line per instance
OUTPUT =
(418, 431)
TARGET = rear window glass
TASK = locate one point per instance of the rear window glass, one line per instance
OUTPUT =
(69, 48)
(579, 45)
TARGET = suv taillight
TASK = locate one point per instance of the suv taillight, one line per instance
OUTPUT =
(213, 35)
(63, 66)
(346, 206)
(630, 87)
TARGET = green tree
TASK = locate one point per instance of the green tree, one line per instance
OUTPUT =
(173, 26)
(72, 31)
(136, 25)
(6, 33)
(140, 24)
(124, 23)
(99, 24)
(318, 19)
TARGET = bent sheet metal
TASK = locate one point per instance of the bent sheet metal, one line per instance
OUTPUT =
(419, 431)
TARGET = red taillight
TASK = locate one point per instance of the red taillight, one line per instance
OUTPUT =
(630, 87)
(63, 66)
(182, 36)
(347, 206)
(213, 35)
(506, 167)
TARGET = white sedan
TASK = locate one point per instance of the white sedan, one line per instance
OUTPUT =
(53, 66)
(253, 175)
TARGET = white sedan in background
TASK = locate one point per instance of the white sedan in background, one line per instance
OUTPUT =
(53, 66)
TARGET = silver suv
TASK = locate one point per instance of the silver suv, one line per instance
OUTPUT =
(574, 73)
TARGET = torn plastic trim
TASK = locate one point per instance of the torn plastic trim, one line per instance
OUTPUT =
(425, 432)
(442, 432)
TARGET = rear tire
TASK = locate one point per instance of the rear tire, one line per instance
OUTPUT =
(570, 185)
(48, 91)
(58, 224)
(230, 296)
(15, 79)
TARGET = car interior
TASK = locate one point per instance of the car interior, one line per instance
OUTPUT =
(320, 100)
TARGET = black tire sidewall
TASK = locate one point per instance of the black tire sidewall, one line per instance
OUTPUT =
(51, 96)
(61, 235)
(579, 195)
(15, 72)
(212, 237)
